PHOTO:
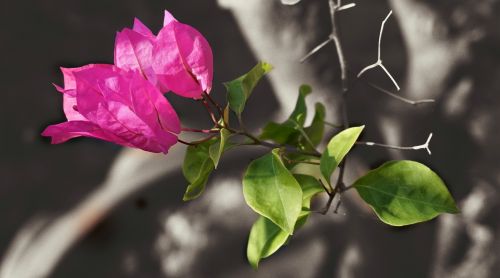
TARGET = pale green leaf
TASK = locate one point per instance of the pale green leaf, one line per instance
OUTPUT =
(405, 192)
(337, 149)
(265, 239)
(272, 191)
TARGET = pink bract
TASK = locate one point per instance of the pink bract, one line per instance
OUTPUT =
(106, 102)
(179, 59)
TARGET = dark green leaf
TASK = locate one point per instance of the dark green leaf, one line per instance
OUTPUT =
(289, 131)
(405, 192)
(299, 113)
(240, 89)
(272, 191)
(337, 149)
(317, 128)
(284, 133)
(310, 187)
(196, 168)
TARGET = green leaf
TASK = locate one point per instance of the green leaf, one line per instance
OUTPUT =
(317, 128)
(299, 113)
(240, 89)
(216, 149)
(284, 133)
(225, 116)
(265, 239)
(272, 191)
(310, 187)
(308, 170)
(197, 168)
(289, 132)
(405, 192)
(337, 149)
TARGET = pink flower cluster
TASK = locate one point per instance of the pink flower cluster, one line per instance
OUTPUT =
(123, 103)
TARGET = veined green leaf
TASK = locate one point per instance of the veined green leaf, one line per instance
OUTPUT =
(266, 237)
(272, 191)
(337, 149)
(240, 89)
(405, 192)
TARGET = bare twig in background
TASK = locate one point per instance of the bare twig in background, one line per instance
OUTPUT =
(346, 6)
(334, 8)
(414, 148)
(338, 7)
(403, 99)
(316, 49)
(379, 63)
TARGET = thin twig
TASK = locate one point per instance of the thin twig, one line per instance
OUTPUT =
(304, 134)
(346, 6)
(328, 203)
(210, 112)
(329, 190)
(406, 100)
(418, 147)
(338, 46)
(379, 54)
(345, 82)
(314, 50)
(214, 103)
(194, 143)
(258, 142)
(379, 63)
(336, 210)
(187, 129)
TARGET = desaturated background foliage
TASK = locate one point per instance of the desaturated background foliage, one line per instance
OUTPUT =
(446, 50)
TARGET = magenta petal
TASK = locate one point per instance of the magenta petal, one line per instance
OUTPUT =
(146, 98)
(142, 29)
(196, 53)
(88, 92)
(69, 78)
(64, 131)
(170, 68)
(168, 18)
(58, 88)
(119, 102)
(133, 51)
(71, 109)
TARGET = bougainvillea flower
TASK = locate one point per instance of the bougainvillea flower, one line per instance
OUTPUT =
(106, 102)
(182, 59)
(133, 50)
(179, 59)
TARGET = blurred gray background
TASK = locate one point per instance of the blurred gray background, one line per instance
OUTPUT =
(87, 208)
